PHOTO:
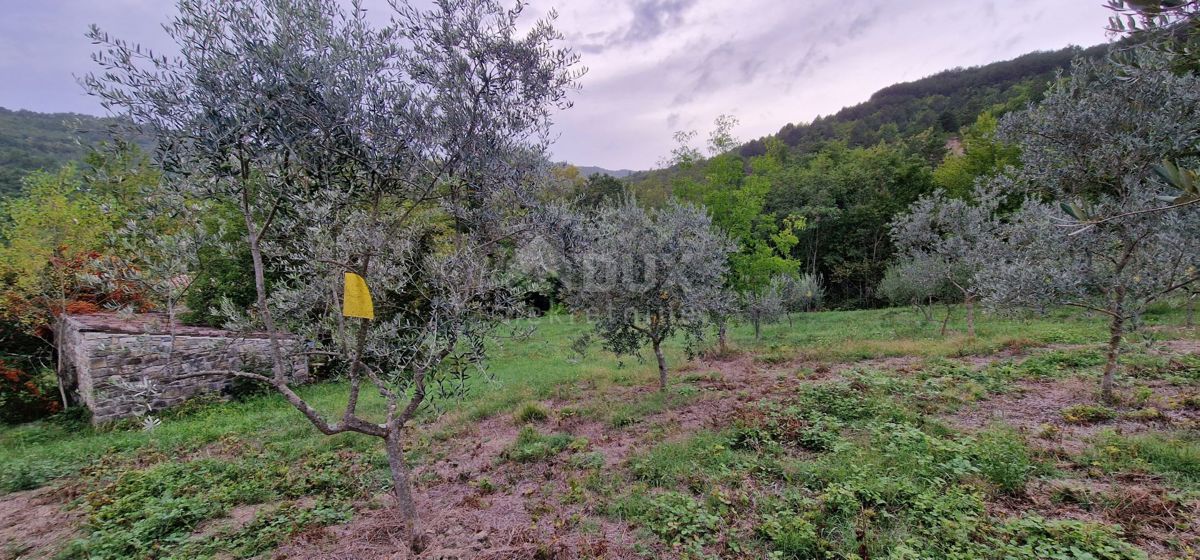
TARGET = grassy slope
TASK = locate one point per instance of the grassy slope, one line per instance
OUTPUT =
(264, 438)
(533, 368)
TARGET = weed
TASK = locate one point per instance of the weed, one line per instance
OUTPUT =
(1175, 457)
(484, 485)
(1036, 538)
(531, 412)
(1087, 414)
(1003, 459)
(531, 445)
(592, 460)
(680, 520)
(152, 512)
(629, 413)
(693, 463)
(1148, 414)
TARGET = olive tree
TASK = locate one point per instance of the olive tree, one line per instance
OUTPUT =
(918, 282)
(1089, 149)
(404, 153)
(944, 237)
(798, 292)
(763, 305)
(644, 274)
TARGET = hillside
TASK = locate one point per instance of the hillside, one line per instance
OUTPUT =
(942, 102)
(31, 141)
(845, 176)
(589, 170)
(939, 104)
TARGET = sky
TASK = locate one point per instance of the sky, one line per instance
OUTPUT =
(653, 66)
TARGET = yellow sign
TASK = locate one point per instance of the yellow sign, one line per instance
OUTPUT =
(356, 301)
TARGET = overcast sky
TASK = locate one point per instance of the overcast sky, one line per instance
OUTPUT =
(654, 66)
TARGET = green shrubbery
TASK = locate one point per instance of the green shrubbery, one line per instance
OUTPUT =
(156, 511)
(885, 481)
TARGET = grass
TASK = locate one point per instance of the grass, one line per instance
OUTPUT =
(1176, 456)
(860, 464)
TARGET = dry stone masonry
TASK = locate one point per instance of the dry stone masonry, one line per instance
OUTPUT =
(121, 366)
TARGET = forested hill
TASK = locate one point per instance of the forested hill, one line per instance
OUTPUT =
(942, 102)
(31, 141)
(819, 197)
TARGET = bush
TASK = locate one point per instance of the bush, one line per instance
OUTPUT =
(25, 397)
(1003, 459)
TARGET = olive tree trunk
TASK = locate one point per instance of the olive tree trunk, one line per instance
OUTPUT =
(1116, 331)
(970, 301)
(662, 365)
(402, 487)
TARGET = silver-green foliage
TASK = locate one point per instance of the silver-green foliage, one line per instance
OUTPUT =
(943, 244)
(643, 275)
(1090, 148)
(407, 153)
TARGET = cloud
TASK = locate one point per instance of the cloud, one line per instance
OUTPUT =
(655, 66)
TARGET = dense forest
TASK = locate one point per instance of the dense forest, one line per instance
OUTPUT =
(845, 176)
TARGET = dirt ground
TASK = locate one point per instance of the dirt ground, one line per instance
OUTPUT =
(35, 523)
(524, 517)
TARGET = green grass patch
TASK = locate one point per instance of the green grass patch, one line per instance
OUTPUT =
(531, 412)
(532, 445)
(1087, 414)
(1174, 456)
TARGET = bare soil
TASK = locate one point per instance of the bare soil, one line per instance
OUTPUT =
(35, 524)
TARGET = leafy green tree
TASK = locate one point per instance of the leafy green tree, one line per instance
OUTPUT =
(599, 190)
(847, 198)
(46, 234)
(983, 155)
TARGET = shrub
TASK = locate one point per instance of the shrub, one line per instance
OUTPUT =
(25, 397)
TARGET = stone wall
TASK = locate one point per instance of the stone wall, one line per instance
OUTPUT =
(122, 366)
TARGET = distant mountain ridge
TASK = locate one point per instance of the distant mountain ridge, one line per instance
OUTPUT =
(30, 141)
(941, 102)
(929, 110)
(589, 170)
